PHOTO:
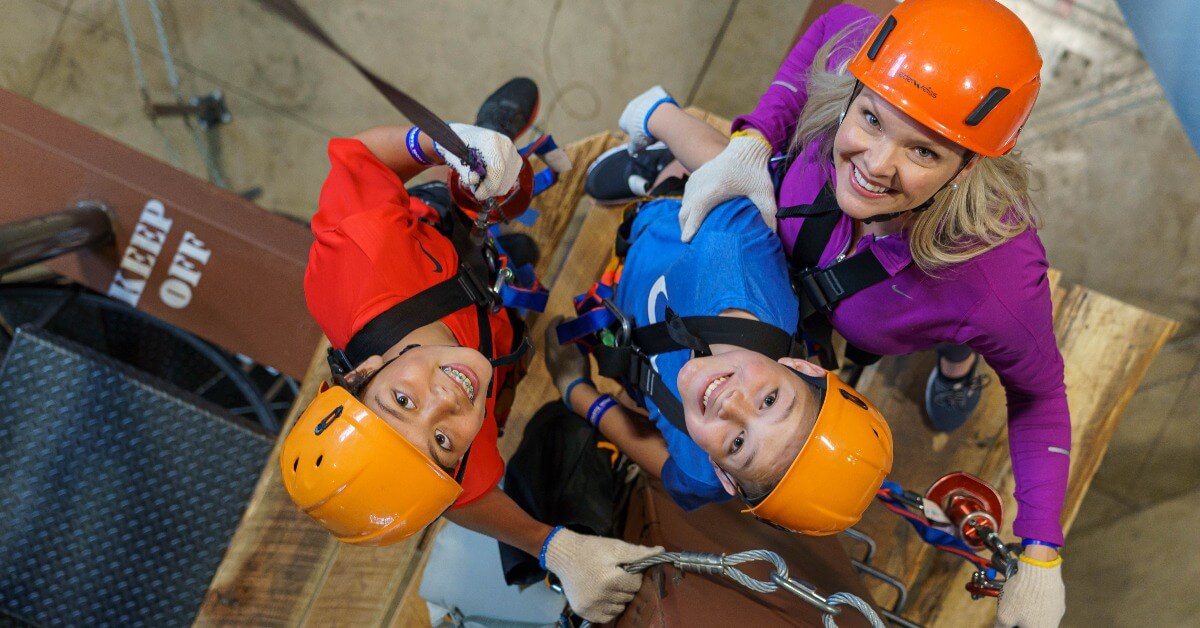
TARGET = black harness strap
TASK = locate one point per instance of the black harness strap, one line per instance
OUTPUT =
(469, 286)
(631, 364)
(423, 308)
(821, 289)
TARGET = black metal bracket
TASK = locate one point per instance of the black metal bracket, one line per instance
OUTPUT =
(209, 110)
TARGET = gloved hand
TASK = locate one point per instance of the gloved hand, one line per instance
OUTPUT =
(637, 114)
(740, 170)
(499, 156)
(564, 362)
(1034, 597)
(595, 586)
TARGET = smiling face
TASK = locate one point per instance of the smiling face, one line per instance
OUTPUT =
(434, 396)
(887, 162)
(749, 413)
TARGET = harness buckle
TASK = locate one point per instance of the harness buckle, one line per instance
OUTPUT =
(480, 292)
(821, 287)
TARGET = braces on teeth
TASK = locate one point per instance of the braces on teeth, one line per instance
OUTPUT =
(462, 379)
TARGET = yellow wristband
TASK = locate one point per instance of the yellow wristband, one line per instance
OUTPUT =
(1048, 564)
(744, 133)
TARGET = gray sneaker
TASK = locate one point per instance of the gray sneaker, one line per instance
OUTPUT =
(949, 403)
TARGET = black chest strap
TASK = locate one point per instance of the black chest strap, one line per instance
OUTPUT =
(467, 287)
(821, 289)
(630, 362)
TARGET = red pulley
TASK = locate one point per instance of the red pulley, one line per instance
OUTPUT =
(968, 502)
(507, 207)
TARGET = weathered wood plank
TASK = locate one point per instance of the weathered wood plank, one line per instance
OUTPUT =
(557, 205)
(267, 577)
(1107, 347)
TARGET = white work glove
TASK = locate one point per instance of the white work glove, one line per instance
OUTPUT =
(500, 158)
(595, 586)
(742, 169)
(1034, 597)
(637, 114)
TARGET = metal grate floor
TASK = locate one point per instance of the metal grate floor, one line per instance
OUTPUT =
(118, 493)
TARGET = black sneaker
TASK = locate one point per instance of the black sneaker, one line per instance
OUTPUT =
(520, 247)
(950, 402)
(511, 109)
(616, 177)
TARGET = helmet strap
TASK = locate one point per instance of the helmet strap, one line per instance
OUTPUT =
(853, 94)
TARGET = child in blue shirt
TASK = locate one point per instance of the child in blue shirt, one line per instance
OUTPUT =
(747, 415)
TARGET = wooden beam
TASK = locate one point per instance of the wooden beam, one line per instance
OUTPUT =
(1107, 348)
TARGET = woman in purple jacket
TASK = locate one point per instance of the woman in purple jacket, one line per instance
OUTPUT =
(896, 137)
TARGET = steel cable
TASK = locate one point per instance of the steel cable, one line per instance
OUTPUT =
(726, 565)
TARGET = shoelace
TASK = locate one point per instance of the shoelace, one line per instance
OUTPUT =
(958, 395)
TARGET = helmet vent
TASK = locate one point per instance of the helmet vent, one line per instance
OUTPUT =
(296, 464)
(883, 34)
(993, 98)
(854, 400)
(319, 459)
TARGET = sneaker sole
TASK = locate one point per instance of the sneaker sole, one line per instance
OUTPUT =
(929, 398)
(609, 153)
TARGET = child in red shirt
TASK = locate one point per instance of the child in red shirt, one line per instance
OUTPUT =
(429, 376)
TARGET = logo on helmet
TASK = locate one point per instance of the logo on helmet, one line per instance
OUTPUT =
(924, 88)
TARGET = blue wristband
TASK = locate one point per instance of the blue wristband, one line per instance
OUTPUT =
(572, 385)
(602, 404)
(546, 545)
(650, 112)
(1028, 542)
(412, 141)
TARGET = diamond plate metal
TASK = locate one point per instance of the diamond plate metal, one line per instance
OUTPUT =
(118, 493)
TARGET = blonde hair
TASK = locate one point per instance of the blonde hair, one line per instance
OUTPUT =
(989, 207)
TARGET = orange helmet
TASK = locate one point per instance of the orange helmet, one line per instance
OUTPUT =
(359, 478)
(838, 470)
(968, 69)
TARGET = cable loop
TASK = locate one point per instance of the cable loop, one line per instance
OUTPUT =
(726, 565)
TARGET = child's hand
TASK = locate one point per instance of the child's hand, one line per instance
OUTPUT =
(564, 362)
(590, 570)
(499, 155)
(635, 119)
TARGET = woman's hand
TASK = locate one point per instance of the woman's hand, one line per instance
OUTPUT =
(740, 170)
(1034, 597)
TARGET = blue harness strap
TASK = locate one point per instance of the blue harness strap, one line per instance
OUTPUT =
(932, 535)
(586, 324)
(524, 291)
(557, 161)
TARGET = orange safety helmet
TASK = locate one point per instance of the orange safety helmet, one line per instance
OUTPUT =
(968, 69)
(838, 470)
(359, 478)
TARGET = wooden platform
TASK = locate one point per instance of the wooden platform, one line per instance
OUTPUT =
(283, 570)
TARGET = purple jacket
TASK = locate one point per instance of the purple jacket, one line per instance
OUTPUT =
(997, 303)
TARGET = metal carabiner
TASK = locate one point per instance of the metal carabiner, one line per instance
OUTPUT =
(625, 336)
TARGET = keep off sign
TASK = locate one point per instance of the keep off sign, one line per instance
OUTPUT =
(192, 254)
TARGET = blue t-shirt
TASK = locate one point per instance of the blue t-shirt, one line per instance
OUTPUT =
(734, 262)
